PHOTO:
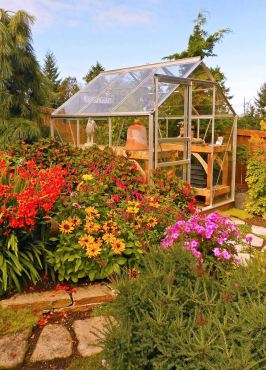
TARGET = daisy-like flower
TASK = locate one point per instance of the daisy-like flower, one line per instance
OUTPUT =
(111, 214)
(94, 249)
(133, 273)
(118, 246)
(92, 212)
(86, 240)
(110, 227)
(88, 177)
(152, 221)
(132, 210)
(66, 227)
(92, 227)
(75, 220)
(109, 238)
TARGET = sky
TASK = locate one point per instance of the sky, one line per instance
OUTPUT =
(134, 32)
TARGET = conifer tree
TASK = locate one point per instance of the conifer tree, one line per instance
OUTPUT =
(50, 69)
(22, 86)
(201, 43)
(51, 73)
(260, 101)
(93, 72)
(68, 87)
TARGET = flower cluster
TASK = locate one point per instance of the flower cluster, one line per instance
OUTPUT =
(27, 193)
(208, 237)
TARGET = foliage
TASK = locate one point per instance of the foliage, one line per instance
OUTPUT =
(210, 238)
(50, 71)
(177, 317)
(88, 363)
(260, 101)
(26, 197)
(16, 130)
(106, 226)
(250, 120)
(201, 43)
(68, 87)
(22, 87)
(256, 180)
(93, 72)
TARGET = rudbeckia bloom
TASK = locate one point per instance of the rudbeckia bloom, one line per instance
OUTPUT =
(66, 227)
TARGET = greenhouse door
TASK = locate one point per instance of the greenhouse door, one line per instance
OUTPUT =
(173, 144)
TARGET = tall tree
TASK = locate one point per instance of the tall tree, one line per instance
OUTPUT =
(260, 101)
(93, 72)
(51, 72)
(68, 87)
(22, 86)
(50, 68)
(201, 43)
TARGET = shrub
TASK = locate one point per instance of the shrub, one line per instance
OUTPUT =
(16, 130)
(103, 231)
(26, 197)
(174, 317)
(210, 238)
(256, 180)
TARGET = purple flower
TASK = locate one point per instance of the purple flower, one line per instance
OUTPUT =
(226, 255)
(217, 252)
(249, 238)
(220, 241)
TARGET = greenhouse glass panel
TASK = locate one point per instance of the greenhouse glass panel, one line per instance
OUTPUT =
(126, 90)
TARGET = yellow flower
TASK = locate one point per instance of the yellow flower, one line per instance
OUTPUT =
(152, 202)
(92, 227)
(80, 184)
(92, 212)
(133, 203)
(111, 214)
(110, 227)
(118, 246)
(86, 240)
(94, 249)
(88, 177)
(75, 220)
(152, 221)
(133, 210)
(109, 238)
(66, 227)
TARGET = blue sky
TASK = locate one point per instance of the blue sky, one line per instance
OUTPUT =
(132, 32)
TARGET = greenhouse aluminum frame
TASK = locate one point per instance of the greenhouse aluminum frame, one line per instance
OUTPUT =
(172, 74)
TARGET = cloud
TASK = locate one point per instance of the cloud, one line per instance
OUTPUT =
(73, 13)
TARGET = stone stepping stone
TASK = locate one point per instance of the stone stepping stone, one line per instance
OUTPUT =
(244, 258)
(88, 333)
(93, 294)
(256, 241)
(54, 342)
(236, 221)
(38, 301)
(13, 348)
(260, 230)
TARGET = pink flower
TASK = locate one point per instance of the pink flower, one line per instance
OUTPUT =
(217, 252)
(249, 238)
(226, 255)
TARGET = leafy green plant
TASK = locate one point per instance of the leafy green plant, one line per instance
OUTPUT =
(256, 180)
(177, 316)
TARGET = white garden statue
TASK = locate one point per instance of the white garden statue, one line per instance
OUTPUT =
(90, 128)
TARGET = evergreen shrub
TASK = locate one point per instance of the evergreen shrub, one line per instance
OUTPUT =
(176, 315)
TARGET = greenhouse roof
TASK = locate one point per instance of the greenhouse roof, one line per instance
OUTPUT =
(127, 91)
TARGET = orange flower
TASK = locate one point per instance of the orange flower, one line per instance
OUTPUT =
(66, 227)
(110, 227)
(86, 240)
(92, 212)
(109, 238)
(118, 246)
(75, 220)
(92, 227)
(152, 221)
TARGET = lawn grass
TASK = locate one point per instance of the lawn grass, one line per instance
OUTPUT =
(238, 213)
(87, 363)
(13, 321)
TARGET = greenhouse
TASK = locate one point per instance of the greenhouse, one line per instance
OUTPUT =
(170, 115)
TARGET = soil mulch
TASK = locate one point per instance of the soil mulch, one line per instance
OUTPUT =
(65, 318)
(257, 221)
